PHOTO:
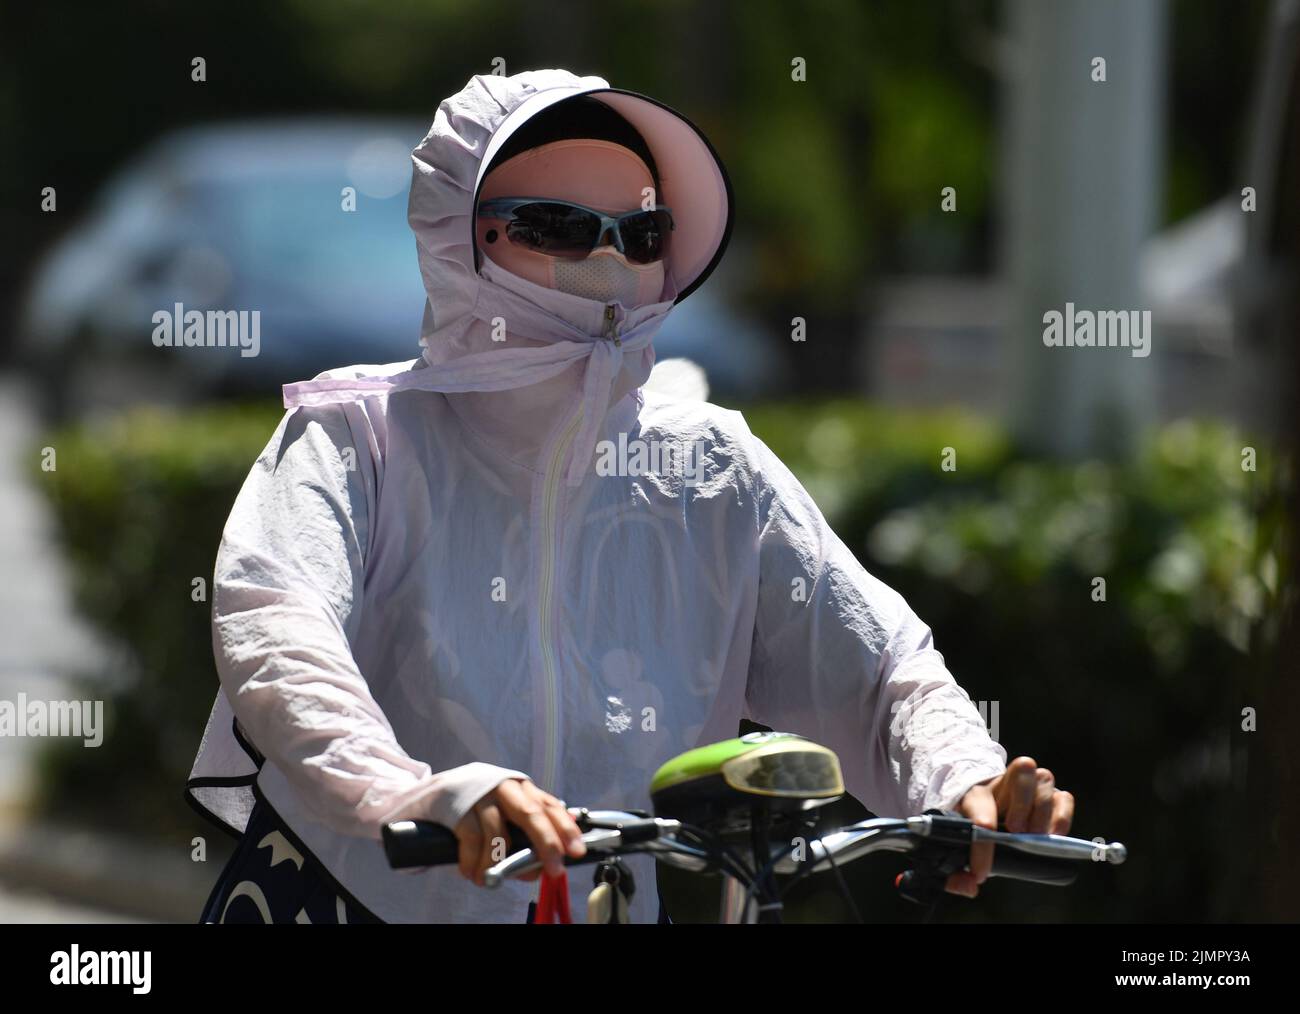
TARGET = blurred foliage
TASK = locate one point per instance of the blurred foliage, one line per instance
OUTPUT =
(1208, 100)
(1134, 702)
(140, 502)
(852, 456)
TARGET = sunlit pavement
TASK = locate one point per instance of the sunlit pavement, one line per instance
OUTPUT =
(42, 642)
(21, 906)
(39, 632)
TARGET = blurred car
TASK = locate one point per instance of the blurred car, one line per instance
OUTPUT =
(251, 216)
(233, 217)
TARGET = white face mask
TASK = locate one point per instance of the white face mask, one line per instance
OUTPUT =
(608, 276)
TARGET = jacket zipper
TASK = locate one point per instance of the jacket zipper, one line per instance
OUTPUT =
(547, 592)
(611, 326)
(545, 605)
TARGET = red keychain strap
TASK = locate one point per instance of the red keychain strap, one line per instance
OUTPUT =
(553, 900)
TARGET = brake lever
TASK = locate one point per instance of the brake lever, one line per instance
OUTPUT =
(942, 853)
(1034, 858)
(606, 836)
(926, 881)
(525, 861)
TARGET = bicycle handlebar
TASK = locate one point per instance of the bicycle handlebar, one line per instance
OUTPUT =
(412, 844)
(1040, 858)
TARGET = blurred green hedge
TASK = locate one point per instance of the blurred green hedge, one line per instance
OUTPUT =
(1134, 702)
(140, 503)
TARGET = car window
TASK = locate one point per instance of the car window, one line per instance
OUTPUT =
(293, 231)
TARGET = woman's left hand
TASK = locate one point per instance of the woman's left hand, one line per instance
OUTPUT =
(1024, 798)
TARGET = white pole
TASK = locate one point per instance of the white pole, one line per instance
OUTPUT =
(1082, 161)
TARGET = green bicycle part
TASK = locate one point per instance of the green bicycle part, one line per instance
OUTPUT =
(715, 783)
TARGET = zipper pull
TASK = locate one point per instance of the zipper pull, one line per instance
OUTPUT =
(611, 325)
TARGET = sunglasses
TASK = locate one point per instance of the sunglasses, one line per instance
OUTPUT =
(572, 231)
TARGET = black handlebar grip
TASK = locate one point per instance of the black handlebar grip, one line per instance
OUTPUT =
(411, 843)
(1017, 865)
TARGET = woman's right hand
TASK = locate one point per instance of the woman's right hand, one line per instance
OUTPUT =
(551, 831)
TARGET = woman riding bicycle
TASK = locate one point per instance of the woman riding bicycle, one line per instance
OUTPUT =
(431, 602)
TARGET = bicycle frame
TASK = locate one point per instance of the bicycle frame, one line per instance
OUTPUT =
(735, 907)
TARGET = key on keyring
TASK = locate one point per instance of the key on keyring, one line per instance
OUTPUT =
(614, 887)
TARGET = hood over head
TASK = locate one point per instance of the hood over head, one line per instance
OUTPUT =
(487, 329)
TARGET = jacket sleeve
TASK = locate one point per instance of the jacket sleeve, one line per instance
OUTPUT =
(839, 657)
(287, 601)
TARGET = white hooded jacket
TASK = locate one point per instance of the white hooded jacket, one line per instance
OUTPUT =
(425, 586)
